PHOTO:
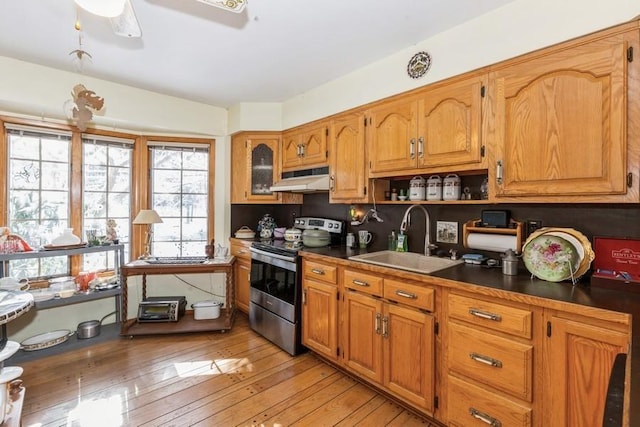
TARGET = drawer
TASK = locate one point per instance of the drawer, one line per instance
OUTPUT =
(320, 271)
(240, 249)
(499, 317)
(499, 362)
(363, 282)
(472, 406)
(421, 297)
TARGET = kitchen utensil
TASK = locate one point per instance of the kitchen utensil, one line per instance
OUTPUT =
(91, 328)
(11, 284)
(46, 340)
(245, 232)
(434, 188)
(417, 188)
(451, 187)
(221, 252)
(204, 310)
(315, 238)
(364, 238)
(293, 235)
(510, 263)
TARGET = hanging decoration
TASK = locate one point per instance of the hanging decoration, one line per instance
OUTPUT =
(84, 103)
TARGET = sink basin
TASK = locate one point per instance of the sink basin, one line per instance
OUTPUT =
(406, 261)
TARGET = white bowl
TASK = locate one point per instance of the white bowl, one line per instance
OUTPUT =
(66, 293)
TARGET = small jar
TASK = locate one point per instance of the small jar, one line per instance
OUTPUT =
(394, 195)
(351, 240)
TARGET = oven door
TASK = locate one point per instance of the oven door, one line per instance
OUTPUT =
(274, 283)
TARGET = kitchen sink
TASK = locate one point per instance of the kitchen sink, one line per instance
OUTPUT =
(406, 261)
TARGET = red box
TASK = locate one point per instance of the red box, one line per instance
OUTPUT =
(617, 263)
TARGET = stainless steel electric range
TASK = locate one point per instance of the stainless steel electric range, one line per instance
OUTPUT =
(276, 288)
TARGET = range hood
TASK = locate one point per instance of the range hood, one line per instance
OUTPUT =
(304, 181)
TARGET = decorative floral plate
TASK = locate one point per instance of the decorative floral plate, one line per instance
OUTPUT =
(551, 258)
(418, 65)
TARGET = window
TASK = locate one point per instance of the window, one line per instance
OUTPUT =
(180, 195)
(38, 180)
(106, 195)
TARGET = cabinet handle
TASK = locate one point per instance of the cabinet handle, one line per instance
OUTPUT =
(385, 327)
(378, 316)
(304, 297)
(499, 172)
(485, 315)
(484, 418)
(317, 271)
(301, 150)
(486, 360)
(412, 148)
(421, 147)
(360, 283)
(241, 251)
(406, 294)
(332, 183)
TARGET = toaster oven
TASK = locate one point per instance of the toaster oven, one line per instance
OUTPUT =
(162, 309)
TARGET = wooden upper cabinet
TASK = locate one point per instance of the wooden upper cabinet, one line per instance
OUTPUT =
(438, 129)
(392, 136)
(560, 125)
(255, 166)
(347, 161)
(305, 147)
(450, 124)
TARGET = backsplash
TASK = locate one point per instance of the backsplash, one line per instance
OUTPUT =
(591, 219)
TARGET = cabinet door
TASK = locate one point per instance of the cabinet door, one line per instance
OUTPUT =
(362, 335)
(392, 136)
(241, 275)
(291, 150)
(580, 359)
(319, 317)
(450, 124)
(314, 146)
(409, 354)
(560, 121)
(348, 176)
(254, 168)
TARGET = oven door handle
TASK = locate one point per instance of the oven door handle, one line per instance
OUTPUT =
(272, 255)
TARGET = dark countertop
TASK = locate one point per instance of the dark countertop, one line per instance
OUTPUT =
(581, 294)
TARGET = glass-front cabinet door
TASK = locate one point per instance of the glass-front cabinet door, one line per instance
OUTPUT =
(254, 167)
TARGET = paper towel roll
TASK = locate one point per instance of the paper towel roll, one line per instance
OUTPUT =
(492, 242)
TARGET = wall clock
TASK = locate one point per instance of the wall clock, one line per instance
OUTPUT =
(418, 65)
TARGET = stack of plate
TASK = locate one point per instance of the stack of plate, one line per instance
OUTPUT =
(557, 254)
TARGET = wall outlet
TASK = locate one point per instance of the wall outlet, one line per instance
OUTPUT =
(533, 225)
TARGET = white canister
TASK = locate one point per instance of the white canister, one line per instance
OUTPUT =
(417, 188)
(451, 187)
(434, 188)
(204, 310)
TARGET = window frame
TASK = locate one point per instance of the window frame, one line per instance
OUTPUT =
(141, 179)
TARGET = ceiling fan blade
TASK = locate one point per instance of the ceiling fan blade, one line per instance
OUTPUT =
(236, 6)
(126, 24)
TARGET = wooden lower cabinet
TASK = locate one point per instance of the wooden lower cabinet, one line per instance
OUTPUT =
(580, 360)
(320, 308)
(241, 272)
(391, 345)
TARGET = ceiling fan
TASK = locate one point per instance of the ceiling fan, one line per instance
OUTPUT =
(123, 18)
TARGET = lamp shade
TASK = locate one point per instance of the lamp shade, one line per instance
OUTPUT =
(147, 216)
(106, 8)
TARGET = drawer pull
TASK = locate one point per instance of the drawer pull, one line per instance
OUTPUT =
(485, 314)
(486, 360)
(484, 418)
(317, 271)
(360, 283)
(406, 294)
(378, 316)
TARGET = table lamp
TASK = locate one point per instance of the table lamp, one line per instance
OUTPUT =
(148, 217)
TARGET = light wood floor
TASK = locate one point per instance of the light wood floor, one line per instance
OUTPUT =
(209, 379)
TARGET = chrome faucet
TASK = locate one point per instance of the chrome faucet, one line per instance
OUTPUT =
(405, 224)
